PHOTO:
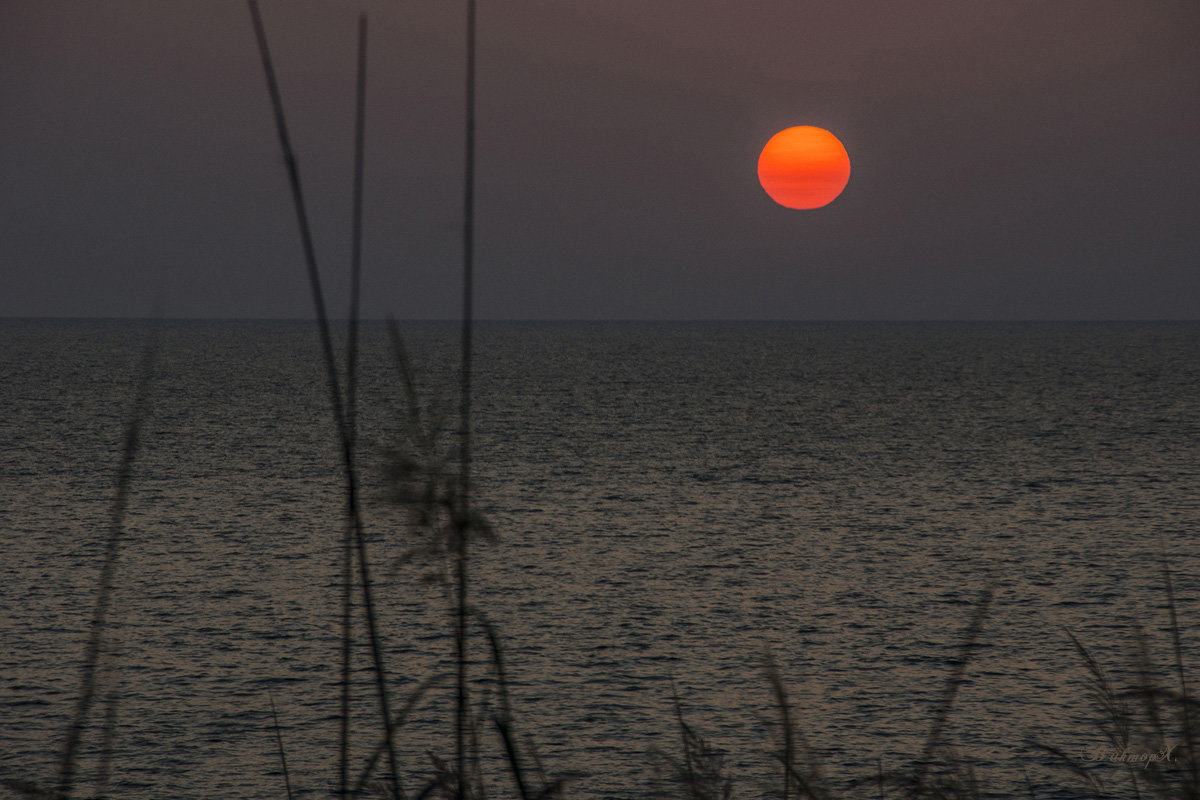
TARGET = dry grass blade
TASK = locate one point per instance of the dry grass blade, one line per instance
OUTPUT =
(1147, 690)
(785, 721)
(808, 781)
(933, 742)
(701, 774)
(503, 719)
(550, 788)
(1119, 720)
(511, 753)
(1101, 690)
(1147, 744)
(1185, 703)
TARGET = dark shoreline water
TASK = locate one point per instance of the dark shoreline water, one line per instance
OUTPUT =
(671, 499)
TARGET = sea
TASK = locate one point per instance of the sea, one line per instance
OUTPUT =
(894, 530)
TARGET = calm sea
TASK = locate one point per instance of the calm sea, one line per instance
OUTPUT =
(672, 501)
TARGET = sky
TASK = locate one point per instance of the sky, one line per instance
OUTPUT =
(1011, 159)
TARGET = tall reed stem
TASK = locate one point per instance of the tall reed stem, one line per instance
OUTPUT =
(463, 522)
(335, 392)
(352, 397)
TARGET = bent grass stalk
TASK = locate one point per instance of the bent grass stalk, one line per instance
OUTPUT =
(808, 780)
(700, 775)
(1142, 720)
(934, 740)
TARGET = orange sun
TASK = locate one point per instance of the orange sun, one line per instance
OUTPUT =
(804, 167)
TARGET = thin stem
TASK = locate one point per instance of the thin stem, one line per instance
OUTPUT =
(352, 399)
(335, 393)
(462, 525)
(950, 692)
(785, 722)
(356, 236)
(1185, 703)
(87, 689)
(503, 720)
(287, 780)
(104, 769)
(414, 698)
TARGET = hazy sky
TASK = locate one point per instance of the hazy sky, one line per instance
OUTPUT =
(1012, 159)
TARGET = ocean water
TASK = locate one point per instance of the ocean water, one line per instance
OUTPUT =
(673, 501)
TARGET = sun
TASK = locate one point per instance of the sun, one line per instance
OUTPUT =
(804, 167)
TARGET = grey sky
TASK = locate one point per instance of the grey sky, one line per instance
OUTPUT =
(1029, 159)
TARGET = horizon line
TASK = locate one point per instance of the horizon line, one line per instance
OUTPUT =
(644, 320)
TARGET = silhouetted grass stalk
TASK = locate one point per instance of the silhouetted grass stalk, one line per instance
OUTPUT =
(700, 775)
(809, 780)
(414, 698)
(1145, 734)
(950, 693)
(462, 523)
(109, 728)
(503, 720)
(1114, 708)
(96, 639)
(1186, 704)
(352, 397)
(346, 442)
(287, 780)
